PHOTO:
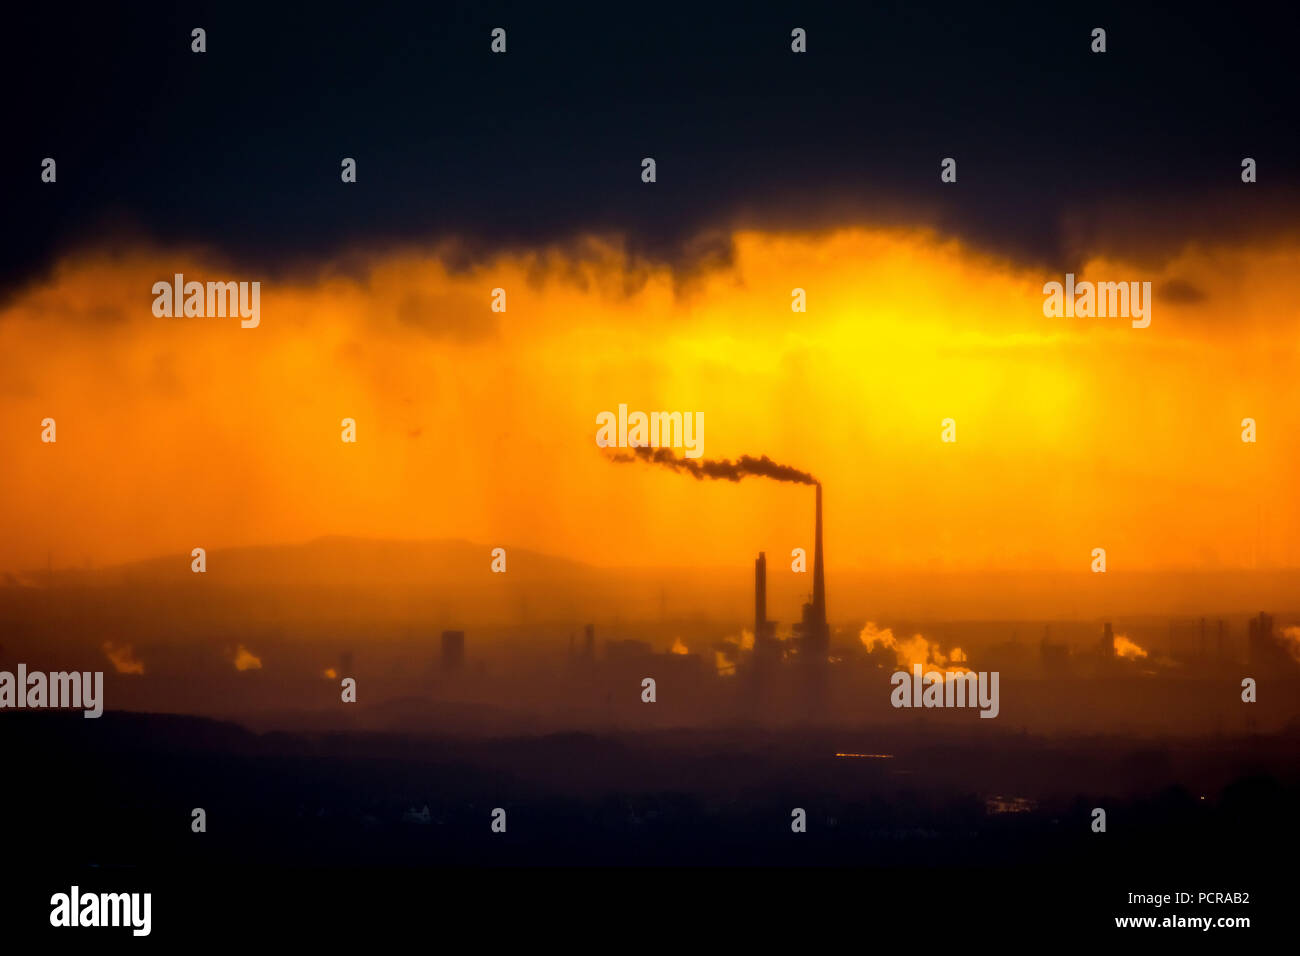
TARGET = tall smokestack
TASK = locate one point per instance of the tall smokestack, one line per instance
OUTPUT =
(760, 598)
(814, 633)
(819, 581)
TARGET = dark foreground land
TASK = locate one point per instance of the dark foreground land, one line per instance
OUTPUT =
(351, 833)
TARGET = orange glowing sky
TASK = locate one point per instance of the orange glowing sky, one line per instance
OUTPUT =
(1072, 433)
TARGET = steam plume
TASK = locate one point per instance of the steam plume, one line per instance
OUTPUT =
(1126, 648)
(914, 650)
(700, 469)
(123, 658)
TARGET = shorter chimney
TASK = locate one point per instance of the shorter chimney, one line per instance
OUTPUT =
(453, 650)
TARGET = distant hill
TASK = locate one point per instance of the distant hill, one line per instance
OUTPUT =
(343, 578)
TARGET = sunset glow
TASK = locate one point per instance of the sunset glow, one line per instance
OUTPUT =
(1069, 431)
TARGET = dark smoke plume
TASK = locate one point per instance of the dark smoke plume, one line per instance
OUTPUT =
(700, 469)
